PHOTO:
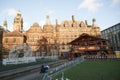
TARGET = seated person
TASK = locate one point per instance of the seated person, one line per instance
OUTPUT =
(46, 68)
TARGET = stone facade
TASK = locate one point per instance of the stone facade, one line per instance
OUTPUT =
(34, 34)
(69, 30)
(57, 36)
(12, 38)
(49, 31)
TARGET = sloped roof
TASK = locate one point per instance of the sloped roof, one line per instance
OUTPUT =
(14, 33)
(85, 37)
(34, 27)
(35, 24)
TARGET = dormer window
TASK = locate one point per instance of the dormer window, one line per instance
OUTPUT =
(66, 24)
(82, 24)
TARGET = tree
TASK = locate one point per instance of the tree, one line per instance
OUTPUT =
(42, 46)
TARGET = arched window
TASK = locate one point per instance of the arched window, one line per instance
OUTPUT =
(82, 24)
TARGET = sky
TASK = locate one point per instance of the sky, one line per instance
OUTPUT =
(106, 12)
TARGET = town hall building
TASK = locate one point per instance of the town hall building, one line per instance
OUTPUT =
(51, 39)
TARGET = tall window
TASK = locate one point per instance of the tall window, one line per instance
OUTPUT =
(82, 24)
(14, 40)
(6, 40)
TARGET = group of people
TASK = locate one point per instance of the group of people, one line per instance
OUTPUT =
(44, 69)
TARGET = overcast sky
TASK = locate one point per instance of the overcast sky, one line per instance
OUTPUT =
(106, 12)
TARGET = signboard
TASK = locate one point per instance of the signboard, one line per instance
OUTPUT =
(117, 54)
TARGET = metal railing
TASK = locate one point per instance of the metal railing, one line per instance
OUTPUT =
(22, 70)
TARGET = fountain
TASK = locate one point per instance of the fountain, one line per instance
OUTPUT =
(20, 53)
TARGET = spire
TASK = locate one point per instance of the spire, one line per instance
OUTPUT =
(73, 19)
(47, 20)
(5, 24)
(18, 13)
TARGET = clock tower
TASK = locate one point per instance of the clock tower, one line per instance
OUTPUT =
(18, 22)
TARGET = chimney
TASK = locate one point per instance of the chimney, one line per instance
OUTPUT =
(73, 19)
(94, 22)
(47, 20)
(86, 22)
(56, 22)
